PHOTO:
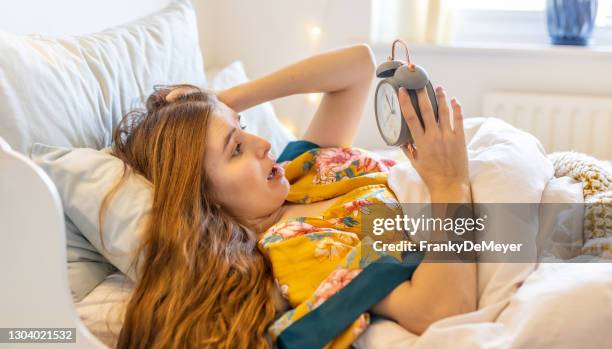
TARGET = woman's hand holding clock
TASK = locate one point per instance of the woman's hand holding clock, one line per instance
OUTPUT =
(440, 156)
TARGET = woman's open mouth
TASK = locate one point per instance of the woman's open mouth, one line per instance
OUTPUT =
(276, 172)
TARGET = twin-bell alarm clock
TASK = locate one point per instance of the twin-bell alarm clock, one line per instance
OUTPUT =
(396, 74)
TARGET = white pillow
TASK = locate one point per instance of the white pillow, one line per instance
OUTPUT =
(260, 119)
(83, 177)
(71, 91)
(103, 309)
(86, 266)
(561, 219)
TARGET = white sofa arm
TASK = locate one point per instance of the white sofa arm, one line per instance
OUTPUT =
(34, 278)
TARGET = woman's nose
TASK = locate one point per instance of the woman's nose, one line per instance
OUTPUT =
(264, 148)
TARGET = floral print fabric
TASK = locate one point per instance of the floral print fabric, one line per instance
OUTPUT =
(315, 257)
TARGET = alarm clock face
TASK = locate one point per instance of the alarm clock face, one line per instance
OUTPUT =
(388, 113)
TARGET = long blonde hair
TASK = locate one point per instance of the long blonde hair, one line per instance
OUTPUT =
(202, 281)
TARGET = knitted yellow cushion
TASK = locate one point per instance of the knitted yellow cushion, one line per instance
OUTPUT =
(596, 177)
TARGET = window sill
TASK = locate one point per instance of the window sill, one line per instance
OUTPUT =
(503, 49)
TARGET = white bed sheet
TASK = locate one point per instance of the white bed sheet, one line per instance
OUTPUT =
(103, 308)
(560, 305)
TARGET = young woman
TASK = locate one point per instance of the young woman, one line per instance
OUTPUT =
(223, 241)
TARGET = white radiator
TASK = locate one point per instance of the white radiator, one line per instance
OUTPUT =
(561, 122)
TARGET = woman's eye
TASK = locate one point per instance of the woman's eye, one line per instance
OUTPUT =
(237, 150)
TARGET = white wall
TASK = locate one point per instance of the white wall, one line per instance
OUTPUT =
(267, 34)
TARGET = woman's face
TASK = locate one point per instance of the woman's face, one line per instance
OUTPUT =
(245, 177)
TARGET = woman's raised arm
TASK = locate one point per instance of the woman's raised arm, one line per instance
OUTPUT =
(437, 289)
(343, 75)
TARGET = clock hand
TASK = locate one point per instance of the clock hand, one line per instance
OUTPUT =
(388, 103)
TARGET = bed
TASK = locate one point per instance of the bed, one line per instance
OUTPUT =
(521, 305)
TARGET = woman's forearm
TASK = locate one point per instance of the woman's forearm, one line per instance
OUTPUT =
(331, 71)
(440, 287)
(459, 193)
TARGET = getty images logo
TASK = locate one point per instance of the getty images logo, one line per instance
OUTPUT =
(412, 225)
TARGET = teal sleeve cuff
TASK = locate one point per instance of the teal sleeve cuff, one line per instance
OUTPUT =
(295, 149)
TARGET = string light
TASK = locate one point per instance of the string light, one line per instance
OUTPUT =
(313, 98)
(315, 32)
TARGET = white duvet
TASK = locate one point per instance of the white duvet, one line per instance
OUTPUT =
(560, 305)
(520, 305)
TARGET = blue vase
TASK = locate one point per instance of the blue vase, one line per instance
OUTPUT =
(570, 22)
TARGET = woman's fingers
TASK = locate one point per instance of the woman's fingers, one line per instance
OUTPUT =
(410, 152)
(410, 115)
(457, 118)
(426, 110)
(443, 111)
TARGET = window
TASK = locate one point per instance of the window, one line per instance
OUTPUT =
(474, 21)
(517, 5)
(604, 12)
(516, 21)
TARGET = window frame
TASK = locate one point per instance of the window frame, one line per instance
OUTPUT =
(528, 27)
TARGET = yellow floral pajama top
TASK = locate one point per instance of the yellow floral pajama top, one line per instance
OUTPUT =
(319, 263)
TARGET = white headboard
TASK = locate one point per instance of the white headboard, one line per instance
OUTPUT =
(62, 17)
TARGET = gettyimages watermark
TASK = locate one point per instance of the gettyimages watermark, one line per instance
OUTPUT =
(491, 233)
